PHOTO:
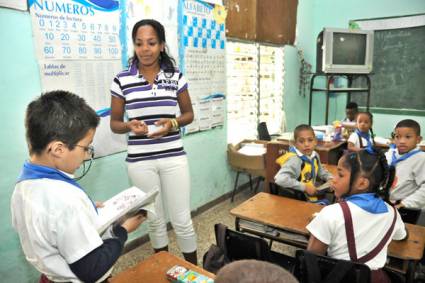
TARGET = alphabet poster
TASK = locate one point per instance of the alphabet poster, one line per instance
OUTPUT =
(202, 55)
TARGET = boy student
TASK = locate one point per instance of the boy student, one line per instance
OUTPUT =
(408, 188)
(349, 123)
(300, 166)
(351, 111)
(54, 217)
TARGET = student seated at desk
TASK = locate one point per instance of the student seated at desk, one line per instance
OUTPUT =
(408, 189)
(300, 166)
(55, 219)
(361, 226)
(253, 271)
(361, 138)
(349, 122)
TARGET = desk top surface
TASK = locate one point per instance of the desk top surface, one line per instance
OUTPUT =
(331, 168)
(154, 268)
(293, 216)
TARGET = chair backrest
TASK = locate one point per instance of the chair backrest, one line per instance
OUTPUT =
(313, 268)
(409, 215)
(274, 150)
(244, 246)
(263, 132)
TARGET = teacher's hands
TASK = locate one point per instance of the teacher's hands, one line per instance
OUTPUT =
(164, 126)
(137, 127)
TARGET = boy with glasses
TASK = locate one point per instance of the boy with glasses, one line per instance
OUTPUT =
(55, 219)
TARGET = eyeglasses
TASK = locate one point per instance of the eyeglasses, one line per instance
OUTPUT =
(89, 149)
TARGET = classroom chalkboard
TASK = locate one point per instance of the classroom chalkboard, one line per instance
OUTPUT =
(398, 77)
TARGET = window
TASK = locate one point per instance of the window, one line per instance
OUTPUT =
(254, 89)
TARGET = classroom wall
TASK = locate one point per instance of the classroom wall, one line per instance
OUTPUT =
(19, 84)
(312, 16)
(210, 175)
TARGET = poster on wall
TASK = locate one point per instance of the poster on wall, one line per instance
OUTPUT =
(164, 11)
(202, 54)
(78, 49)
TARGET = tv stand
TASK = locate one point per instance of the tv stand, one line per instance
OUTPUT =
(331, 89)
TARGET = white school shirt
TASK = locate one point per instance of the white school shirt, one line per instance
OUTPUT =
(369, 229)
(56, 223)
(409, 183)
(354, 138)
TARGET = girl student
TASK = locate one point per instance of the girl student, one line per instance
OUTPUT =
(362, 224)
(361, 138)
(153, 94)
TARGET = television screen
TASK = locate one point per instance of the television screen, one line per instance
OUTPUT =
(349, 49)
(344, 51)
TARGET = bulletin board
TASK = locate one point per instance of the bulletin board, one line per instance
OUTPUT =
(202, 55)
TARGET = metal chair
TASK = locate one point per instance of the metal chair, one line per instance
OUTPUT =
(409, 215)
(239, 246)
(313, 268)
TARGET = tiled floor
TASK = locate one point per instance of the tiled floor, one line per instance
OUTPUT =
(204, 226)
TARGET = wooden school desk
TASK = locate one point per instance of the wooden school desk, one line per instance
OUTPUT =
(285, 220)
(154, 268)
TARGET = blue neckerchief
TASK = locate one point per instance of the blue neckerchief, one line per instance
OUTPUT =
(32, 171)
(369, 202)
(395, 160)
(366, 136)
(306, 159)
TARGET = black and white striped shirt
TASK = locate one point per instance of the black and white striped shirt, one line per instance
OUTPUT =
(150, 103)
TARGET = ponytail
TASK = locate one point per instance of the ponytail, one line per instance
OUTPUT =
(372, 164)
(388, 177)
(372, 136)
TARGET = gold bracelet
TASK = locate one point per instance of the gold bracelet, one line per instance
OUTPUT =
(174, 124)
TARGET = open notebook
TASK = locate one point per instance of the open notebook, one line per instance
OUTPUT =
(123, 205)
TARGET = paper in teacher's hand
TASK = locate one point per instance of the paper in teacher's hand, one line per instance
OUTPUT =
(153, 129)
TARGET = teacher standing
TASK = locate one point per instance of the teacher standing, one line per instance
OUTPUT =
(152, 93)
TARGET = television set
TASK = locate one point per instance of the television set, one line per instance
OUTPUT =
(344, 51)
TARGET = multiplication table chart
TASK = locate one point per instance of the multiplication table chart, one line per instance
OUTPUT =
(66, 29)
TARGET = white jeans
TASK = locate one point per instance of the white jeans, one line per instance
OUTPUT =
(171, 176)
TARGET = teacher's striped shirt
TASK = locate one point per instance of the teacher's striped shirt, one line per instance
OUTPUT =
(149, 103)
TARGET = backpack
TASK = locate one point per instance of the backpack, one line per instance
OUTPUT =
(216, 256)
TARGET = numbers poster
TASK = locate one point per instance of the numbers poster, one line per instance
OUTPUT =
(79, 29)
(78, 49)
